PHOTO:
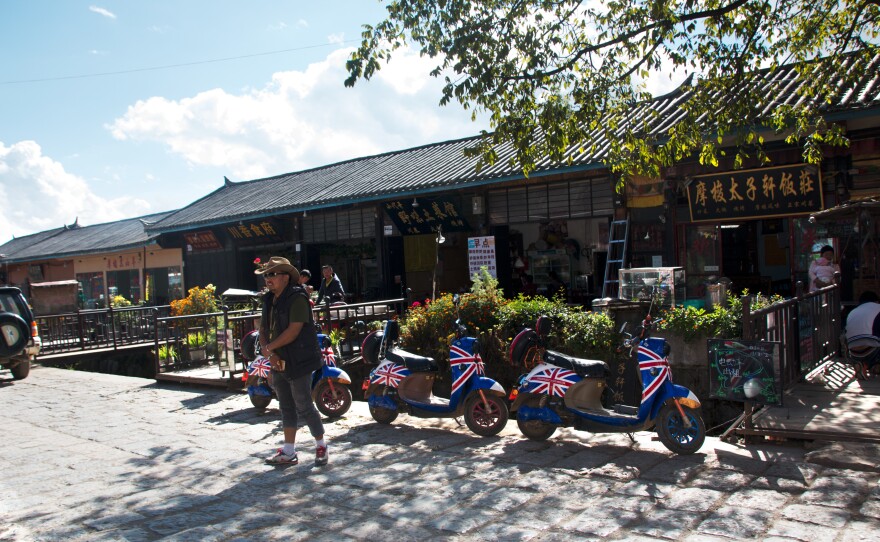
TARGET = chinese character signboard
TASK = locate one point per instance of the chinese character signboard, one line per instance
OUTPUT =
(744, 371)
(481, 253)
(424, 215)
(756, 193)
(256, 232)
(203, 240)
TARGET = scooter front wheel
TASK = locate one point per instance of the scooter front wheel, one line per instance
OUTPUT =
(675, 435)
(383, 415)
(535, 429)
(332, 401)
(259, 401)
(485, 418)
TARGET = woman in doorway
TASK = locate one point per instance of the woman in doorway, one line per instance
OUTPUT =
(822, 269)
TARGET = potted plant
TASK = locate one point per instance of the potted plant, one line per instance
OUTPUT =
(195, 343)
(167, 354)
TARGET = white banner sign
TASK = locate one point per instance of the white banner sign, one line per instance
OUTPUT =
(481, 253)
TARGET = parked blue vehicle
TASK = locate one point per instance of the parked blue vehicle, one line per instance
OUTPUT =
(403, 382)
(330, 385)
(564, 391)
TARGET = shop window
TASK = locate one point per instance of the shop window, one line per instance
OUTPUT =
(700, 250)
(162, 285)
(556, 201)
(91, 290)
(125, 283)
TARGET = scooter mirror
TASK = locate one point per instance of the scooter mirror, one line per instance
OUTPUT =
(455, 299)
(543, 325)
(623, 328)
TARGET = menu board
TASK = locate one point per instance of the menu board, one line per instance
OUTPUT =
(743, 371)
(481, 253)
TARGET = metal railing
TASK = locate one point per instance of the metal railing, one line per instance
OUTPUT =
(807, 326)
(98, 328)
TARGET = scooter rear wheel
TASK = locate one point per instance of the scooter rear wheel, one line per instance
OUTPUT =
(673, 433)
(329, 403)
(485, 419)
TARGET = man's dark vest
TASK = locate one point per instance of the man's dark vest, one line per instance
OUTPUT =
(303, 355)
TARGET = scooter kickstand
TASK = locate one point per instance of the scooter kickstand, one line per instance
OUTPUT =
(632, 437)
(458, 421)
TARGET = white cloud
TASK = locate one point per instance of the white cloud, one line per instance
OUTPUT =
(301, 119)
(41, 195)
(102, 11)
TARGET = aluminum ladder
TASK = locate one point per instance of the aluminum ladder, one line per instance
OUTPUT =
(618, 236)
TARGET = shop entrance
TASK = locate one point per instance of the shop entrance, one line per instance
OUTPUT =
(752, 254)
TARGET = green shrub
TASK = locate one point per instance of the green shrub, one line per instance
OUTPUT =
(692, 323)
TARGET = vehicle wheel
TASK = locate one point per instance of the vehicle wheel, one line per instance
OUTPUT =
(381, 414)
(330, 404)
(14, 334)
(259, 401)
(485, 419)
(673, 433)
(535, 429)
(20, 371)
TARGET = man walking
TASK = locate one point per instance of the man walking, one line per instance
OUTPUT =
(289, 339)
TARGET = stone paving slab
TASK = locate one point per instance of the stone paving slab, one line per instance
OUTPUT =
(88, 456)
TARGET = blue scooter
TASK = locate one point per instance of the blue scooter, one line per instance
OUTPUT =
(330, 389)
(563, 391)
(403, 381)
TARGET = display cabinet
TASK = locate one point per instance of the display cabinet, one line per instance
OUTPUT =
(637, 284)
(550, 269)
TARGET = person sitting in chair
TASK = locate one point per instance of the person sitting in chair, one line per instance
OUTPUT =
(863, 333)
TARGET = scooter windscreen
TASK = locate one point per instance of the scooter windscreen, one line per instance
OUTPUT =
(370, 347)
(525, 341)
(250, 346)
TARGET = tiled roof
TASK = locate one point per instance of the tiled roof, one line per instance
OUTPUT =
(442, 166)
(79, 240)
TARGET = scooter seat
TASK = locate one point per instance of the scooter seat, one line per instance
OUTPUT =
(413, 362)
(584, 368)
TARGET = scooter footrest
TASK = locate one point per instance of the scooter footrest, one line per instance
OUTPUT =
(584, 368)
(626, 409)
(414, 362)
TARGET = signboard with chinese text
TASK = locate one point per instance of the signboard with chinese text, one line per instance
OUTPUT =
(124, 261)
(256, 232)
(426, 216)
(202, 240)
(481, 253)
(755, 193)
(742, 371)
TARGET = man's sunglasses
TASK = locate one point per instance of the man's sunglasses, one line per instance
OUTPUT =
(269, 275)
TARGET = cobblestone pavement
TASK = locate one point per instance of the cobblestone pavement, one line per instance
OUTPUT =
(89, 456)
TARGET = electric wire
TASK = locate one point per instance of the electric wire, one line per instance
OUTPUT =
(171, 66)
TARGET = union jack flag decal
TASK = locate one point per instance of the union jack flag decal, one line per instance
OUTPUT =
(553, 381)
(469, 365)
(329, 357)
(389, 374)
(260, 367)
(648, 359)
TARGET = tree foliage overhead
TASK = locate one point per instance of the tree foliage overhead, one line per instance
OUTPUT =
(563, 74)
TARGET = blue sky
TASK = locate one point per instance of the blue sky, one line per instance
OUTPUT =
(106, 147)
(136, 140)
